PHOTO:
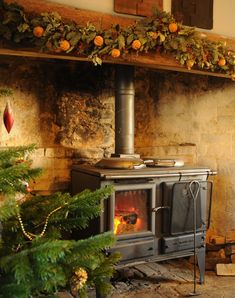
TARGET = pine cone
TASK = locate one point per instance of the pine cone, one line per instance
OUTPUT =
(78, 280)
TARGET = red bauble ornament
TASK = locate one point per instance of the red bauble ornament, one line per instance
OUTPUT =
(8, 117)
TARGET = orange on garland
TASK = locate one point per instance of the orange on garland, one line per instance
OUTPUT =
(115, 53)
(8, 117)
(136, 44)
(173, 27)
(153, 34)
(98, 41)
(38, 31)
(221, 62)
(64, 45)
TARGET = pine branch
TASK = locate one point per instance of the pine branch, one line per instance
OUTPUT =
(57, 249)
(94, 244)
(40, 267)
(7, 156)
(10, 290)
(11, 178)
(76, 211)
(8, 209)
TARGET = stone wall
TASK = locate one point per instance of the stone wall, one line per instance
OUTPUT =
(67, 110)
(191, 116)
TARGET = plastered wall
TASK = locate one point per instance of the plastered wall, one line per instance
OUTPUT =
(223, 12)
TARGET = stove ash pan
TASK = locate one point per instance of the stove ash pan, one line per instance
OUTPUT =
(151, 211)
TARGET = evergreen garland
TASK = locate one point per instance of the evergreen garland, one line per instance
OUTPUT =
(38, 255)
(160, 33)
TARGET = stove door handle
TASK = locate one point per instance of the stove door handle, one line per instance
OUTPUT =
(156, 209)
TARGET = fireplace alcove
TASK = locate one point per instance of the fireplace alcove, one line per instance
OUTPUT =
(153, 246)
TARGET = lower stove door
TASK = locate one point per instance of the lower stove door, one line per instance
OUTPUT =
(183, 242)
(135, 248)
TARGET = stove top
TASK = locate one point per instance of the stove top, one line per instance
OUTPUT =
(147, 172)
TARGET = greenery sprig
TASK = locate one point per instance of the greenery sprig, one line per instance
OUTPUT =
(160, 33)
(5, 92)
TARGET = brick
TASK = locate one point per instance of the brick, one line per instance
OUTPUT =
(55, 152)
(225, 269)
(38, 152)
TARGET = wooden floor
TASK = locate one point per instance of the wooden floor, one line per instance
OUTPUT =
(173, 278)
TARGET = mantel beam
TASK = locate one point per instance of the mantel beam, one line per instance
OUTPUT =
(154, 61)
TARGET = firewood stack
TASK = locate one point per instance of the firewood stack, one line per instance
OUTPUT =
(220, 253)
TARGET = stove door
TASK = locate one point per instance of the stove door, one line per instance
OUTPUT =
(131, 210)
(178, 220)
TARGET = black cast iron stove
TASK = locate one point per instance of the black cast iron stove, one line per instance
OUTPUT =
(151, 211)
(152, 208)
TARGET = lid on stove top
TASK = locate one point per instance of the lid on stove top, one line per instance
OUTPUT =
(163, 162)
(120, 163)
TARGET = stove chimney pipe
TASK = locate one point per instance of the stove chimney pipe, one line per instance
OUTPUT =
(124, 111)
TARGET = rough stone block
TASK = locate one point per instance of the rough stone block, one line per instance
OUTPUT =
(38, 152)
(225, 269)
(55, 152)
(230, 236)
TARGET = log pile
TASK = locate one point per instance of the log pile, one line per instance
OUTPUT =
(220, 254)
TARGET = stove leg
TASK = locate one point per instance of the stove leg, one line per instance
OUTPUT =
(201, 258)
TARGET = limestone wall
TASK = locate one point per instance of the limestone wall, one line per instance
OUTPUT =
(67, 110)
(191, 117)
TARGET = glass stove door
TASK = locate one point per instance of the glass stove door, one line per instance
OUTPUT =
(132, 210)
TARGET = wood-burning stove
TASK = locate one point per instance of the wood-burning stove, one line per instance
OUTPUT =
(151, 211)
(152, 208)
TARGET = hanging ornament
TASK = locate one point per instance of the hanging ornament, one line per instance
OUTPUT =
(8, 117)
(26, 186)
(78, 280)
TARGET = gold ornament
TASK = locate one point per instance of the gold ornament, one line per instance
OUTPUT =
(29, 235)
(78, 280)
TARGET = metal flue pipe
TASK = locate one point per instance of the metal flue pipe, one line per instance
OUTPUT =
(124, 110)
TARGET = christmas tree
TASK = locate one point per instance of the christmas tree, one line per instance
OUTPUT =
(38, 256)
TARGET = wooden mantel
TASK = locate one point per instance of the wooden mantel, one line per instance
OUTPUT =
(104, 21)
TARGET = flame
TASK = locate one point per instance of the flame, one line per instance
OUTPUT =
(121, 226)
(117, 222)
(138, 223)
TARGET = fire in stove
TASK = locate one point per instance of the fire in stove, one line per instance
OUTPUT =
(130, 212)
(126, 222)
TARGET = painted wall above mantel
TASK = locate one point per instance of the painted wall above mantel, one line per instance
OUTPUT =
(223, 12)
